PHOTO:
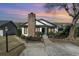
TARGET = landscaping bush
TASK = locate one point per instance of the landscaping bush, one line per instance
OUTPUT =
(34, 38)
(50, 34)
(23, 37)
(39, 34)
(77, 31)
(63, 33)
(18, 32)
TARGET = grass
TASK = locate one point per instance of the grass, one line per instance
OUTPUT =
(15, 46)
(75, 42)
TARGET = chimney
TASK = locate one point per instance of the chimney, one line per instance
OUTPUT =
(31, 24)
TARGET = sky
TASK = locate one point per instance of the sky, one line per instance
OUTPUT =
(18, 12)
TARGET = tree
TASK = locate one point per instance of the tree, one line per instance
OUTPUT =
(72, 9)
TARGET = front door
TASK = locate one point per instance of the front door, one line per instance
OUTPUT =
(43, 30)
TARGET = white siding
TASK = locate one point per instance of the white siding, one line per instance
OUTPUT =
(1, 32)
(23, 32)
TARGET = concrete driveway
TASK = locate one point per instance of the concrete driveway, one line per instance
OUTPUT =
(50, 49)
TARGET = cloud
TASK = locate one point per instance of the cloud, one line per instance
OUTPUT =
(15, 11)
(60, 14)
(57, 13)
(43, 14)
(38, 4)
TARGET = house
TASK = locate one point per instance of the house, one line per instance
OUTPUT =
(10, 26)
(39, 26)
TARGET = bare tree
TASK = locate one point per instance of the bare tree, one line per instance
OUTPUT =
(72, 9)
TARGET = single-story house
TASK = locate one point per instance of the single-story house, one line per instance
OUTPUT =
(43, 26)
(11, 28)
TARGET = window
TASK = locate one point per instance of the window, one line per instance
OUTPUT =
(37, 29)
(49, 30)
(25, 30)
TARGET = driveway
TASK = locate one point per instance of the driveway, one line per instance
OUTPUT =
(49, 48)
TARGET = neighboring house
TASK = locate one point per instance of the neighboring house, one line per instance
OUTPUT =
(42, 26)
(10, 26)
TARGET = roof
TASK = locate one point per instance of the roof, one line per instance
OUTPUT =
(4, 22)
(41, 22)
(47, 22)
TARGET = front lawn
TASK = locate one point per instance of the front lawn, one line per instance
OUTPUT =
(15, 46)
(76, 42)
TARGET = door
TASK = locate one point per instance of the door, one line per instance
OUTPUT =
(43, 30)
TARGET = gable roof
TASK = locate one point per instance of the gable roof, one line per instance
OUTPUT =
(4, 23)
(41, 22)
(47, 22)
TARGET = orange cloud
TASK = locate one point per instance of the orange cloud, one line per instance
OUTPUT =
(61, 15)
(43, 14)
(57, 13)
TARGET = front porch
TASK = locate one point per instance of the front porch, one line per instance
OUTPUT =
(39, 31)
(44, 30)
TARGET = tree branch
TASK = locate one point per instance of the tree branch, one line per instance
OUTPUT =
(75, 18)
(66, 8)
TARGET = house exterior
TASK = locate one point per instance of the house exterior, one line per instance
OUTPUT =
(10, 26)
(39, 26)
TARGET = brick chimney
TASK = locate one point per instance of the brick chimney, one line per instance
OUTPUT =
(31, 24)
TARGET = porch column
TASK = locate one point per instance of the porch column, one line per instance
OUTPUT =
(45, 30)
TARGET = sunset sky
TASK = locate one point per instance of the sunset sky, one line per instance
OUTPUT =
(19, 12)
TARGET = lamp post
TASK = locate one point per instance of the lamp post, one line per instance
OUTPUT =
(6, 29)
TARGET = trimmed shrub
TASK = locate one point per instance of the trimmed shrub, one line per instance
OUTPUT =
(51, 34)
(23, 37)
(18, 32)
(39, 34)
